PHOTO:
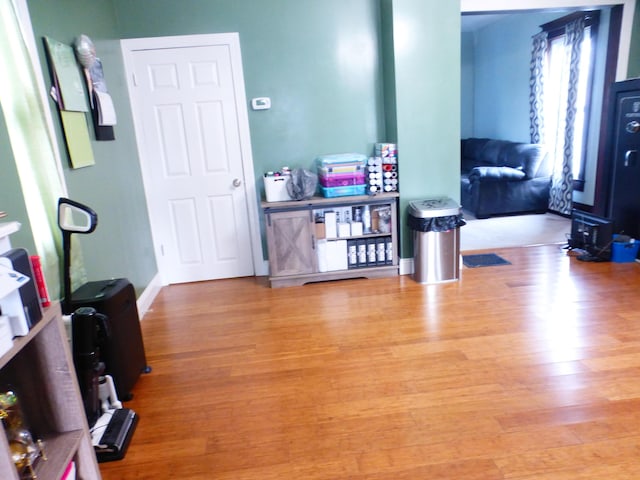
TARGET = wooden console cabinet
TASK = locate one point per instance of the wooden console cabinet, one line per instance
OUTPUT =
(40, 368)
(293, 242)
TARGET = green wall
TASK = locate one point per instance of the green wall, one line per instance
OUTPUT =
(501, 75)
(427, 85)
(121, 246)
(321, 63)
(335, 71)
(11, 197)
(318, 61)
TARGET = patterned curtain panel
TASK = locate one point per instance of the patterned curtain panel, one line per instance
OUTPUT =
(560, 197)
(536, 83)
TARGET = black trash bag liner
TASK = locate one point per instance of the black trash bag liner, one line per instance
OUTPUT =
(435, 224)
(302, 184)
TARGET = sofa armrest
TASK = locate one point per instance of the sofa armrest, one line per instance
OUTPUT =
(495, 174)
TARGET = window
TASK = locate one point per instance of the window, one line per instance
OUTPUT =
(558, 88)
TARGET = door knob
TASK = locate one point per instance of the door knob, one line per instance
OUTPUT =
(236, 182)
(633, 127)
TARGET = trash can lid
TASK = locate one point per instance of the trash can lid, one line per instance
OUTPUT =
(434, 207)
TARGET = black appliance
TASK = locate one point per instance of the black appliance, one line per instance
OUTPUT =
(87, 328)
(92, 336)
(592, 234)
(123, 350)
(622, 146)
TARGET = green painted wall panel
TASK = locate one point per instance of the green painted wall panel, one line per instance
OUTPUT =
(319, 62)
(11, 196)
(338, 78)
(121, 246)
(427, 66)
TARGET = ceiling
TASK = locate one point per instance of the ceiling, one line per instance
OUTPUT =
(474, 22)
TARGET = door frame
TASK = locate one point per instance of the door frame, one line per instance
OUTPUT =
(232, 40)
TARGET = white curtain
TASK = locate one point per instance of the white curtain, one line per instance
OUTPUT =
(561, 195)
(560, 149)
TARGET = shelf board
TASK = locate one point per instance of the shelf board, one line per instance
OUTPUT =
(364, 272)
(60, 449)
(315, 201)
(48, 314)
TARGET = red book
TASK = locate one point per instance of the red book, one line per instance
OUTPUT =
(43, 293)
(69, 472)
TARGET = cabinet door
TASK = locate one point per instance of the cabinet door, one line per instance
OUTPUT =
(291, 242)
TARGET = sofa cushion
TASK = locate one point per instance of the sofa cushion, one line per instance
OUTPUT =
(471, 147)
(489, 155)
(495, 174)
(525, 156)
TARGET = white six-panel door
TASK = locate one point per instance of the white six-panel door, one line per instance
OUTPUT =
(190, 135)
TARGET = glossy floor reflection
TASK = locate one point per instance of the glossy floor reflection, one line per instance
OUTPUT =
(525, 371)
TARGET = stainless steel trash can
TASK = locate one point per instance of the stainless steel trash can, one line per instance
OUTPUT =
(435, 223)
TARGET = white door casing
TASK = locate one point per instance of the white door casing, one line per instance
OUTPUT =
(189, 109)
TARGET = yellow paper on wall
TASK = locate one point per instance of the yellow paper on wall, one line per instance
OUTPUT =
(78, 140)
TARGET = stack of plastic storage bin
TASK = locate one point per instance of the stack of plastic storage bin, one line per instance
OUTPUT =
(383, 168)
(342, 174)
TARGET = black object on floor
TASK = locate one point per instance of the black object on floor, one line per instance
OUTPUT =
(123, 350)
(483, 260)
(117, 436)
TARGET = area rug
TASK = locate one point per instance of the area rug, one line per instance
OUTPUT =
(513, 231)
(483, 260)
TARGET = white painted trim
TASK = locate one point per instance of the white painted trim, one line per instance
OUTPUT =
(148, 296)
(628, 10)
(129, 46)
(406, 266)
(264, 269)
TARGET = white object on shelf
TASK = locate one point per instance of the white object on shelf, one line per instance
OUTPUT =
(6, 229)
(337, 255)
(275, 188)
(6, 334)
(344, 229)
(10, 301)
(321, 249)
(330, 225)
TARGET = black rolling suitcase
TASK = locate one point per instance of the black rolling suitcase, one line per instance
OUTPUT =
(123, 349)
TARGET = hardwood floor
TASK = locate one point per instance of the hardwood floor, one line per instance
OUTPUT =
(524, 371)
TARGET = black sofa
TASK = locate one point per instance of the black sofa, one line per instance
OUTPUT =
(500, 177)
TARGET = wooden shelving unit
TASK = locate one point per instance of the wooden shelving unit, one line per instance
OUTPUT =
(40, 368)
(292, 241)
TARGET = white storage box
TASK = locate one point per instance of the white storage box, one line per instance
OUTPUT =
(275, 188)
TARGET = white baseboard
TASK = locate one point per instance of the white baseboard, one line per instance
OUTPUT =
(264, 269)
(148, 295)
(406, 266)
